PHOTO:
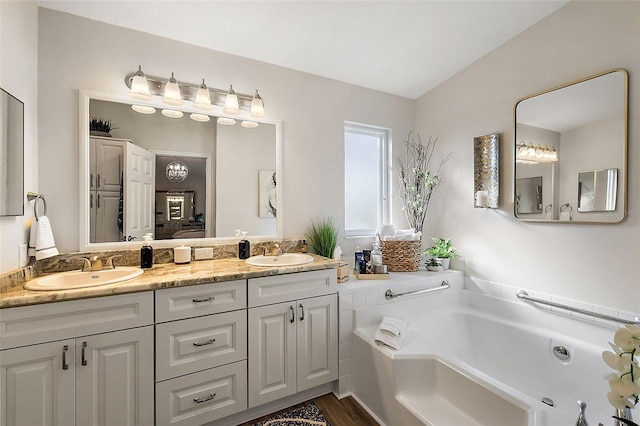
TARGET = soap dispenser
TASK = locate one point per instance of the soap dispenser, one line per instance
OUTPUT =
(146, 252)
(244, 247)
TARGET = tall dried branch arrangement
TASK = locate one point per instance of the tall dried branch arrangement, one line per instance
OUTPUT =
(417, 182)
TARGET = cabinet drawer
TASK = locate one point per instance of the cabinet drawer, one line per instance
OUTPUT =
(280, 288)
(192, 301)
(27, 325)
(202, 397)
(190, 345)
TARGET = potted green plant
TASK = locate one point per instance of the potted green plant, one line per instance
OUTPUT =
(322, 236)
(100, 127)
(433, 265)
(442, 250)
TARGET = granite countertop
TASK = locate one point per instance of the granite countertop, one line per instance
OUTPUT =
(164, 275)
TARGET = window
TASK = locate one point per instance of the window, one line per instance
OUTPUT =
(367, 150)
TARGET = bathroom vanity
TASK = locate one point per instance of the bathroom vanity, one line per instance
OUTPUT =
(209, 349)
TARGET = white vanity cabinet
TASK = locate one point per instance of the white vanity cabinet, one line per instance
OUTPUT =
(293, 338)
(78, 362)
(201, 352)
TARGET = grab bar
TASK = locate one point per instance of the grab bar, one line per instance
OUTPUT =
(523, 295)
(389, 294)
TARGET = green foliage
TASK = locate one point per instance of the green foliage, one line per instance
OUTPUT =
(322, 236)
(442, 248)
(97, 124)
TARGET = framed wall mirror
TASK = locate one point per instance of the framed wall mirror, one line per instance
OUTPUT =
(574, 138)
(12, 195)
(185, 181)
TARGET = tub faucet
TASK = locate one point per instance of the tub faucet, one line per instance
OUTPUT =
(582, 420)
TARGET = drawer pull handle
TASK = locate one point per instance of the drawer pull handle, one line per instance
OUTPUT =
(84, 355)
(65, 366)
(210, 341)
(209, 398)
(293, 314)
(301, 312)
(205, 299)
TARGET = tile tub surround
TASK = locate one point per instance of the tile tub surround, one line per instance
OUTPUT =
(357, 294)
(164, 275)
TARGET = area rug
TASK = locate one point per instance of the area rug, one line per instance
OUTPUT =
(306, 415)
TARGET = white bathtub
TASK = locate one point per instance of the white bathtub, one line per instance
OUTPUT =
(470, 359)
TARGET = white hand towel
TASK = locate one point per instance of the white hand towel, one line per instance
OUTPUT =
(566, 216)
(383, 339)
(32, 238)
(394, 326)
(45, 244)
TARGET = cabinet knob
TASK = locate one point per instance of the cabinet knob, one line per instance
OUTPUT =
(293, 314)
(301, 312)
(208, 342)
(200, 401)
(65, 366)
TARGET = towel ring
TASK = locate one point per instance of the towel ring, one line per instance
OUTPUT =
(566, 205)
(33, 196)
(547, 208)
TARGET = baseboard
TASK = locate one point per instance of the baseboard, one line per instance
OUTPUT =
(271, 407)
(371, 413)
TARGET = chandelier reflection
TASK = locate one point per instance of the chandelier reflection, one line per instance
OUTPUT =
(177, 171)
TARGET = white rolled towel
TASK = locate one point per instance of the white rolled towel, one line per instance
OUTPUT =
(391, 332)
(394, 326)
(45, 245)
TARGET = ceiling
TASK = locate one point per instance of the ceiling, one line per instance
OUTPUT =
(400, 47)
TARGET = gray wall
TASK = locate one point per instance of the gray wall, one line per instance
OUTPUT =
(594, 263)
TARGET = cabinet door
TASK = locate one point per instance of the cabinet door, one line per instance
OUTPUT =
(106, 219)
(109, 164)
(114, 383)
(36, 387)
(317, 337)
(272, 353)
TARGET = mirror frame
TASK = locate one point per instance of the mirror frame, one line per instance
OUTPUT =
(83, 176)
(623, 175)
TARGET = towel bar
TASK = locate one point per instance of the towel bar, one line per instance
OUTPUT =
(523, 295)
(389, 294)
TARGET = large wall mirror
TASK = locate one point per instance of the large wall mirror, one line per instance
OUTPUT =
(182, 180)
(573, 141)
(11, 155)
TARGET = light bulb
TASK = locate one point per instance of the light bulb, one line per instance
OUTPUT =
(203, 98)
(257, 106)
(172, 92)
(231, 102)
(139, 86)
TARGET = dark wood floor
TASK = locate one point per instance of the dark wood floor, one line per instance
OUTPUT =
(343, 412)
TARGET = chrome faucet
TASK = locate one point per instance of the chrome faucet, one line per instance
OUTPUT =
(582, 420)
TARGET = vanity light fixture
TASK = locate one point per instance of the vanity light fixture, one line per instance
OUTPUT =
(203, 118)
(528, 153)
(172, 92)
(172, 113)
(231, 105)
(226, 121)
(257, 106)
(143, 109)
(139, 86)
(203, 98)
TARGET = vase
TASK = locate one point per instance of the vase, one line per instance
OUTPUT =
(445, 262)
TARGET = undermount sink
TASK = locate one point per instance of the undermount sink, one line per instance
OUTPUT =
(79, 279)
(287, 259)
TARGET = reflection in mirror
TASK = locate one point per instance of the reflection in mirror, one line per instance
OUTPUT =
(179, 179)
(529, 195)
(597, 190)
(11, 155)
(564, 131)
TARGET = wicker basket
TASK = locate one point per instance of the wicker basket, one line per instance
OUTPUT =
(401, 256)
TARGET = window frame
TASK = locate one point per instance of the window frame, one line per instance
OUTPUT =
(384, 174)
